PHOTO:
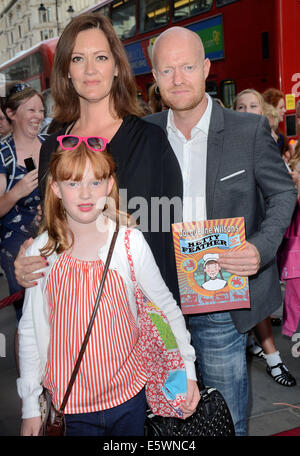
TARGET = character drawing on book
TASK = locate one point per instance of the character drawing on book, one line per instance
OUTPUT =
(212, 270)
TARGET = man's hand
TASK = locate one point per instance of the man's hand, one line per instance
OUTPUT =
(245, 262)
(25, 266)
(192, 399)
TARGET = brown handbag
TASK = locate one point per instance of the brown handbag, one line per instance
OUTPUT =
(53, 421)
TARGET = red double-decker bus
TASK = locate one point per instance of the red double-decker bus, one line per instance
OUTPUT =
(251, 43)
(33, 66)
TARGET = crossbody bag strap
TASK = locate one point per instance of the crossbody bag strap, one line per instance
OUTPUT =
(88, 332)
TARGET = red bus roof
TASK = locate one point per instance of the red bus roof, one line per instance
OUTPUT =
(47, 45)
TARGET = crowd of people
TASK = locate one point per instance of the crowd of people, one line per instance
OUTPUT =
(101, 142)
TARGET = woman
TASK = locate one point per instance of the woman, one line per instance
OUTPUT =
(272, 115)
(95, 95)
(251, 101)
(19, 195)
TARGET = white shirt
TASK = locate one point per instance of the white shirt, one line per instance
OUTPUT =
(191, 155)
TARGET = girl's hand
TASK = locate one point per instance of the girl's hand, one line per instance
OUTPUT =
(31, 426)
(26, 185)
(25, 266)
(192, 399)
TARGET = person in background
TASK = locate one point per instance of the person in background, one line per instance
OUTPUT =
(276, 98)
(229, 164)
(19, 195)
(298, 117)
(289, 259)
(5, 129)
(155, 101)
(143, 105)
(250, 100)
(5, 126)
(48, 103)
(272, 115)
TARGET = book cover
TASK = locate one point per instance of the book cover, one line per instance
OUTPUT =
(203, 285)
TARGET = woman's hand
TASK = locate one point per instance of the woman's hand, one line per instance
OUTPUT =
(25, 266)
(192, 399)
(31, 426)
(26, 185)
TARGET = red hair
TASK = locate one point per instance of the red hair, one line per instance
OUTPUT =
(273, 96)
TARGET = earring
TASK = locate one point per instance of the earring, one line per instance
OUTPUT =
(156, 90)
(69, 76)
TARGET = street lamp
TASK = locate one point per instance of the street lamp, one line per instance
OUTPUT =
(70, 12)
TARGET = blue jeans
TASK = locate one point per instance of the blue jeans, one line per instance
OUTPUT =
(221, 359)
(127, 419)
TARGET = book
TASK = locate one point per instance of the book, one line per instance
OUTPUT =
(203, 285)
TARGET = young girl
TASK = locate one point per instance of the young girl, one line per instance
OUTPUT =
(108, 396)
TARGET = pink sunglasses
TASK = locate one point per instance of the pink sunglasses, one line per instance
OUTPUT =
(94, 143)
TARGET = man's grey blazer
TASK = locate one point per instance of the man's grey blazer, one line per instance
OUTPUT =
(246, 177)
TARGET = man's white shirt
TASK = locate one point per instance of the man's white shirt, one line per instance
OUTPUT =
(191, 155)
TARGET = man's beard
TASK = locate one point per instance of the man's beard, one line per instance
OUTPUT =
(188, 106)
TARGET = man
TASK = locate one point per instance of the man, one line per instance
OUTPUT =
(229, 164)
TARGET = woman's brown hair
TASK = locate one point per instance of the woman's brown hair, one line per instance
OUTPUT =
(70, 164)
(123, 92)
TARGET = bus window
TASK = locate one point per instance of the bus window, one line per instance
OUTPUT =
(123, 18)
(153, 14)
(104, 10)
(228, 92)
(183, 9)
(211, 87)
(224, 2)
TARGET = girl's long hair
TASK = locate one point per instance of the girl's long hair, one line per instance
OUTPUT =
(123, 92)
(71, 164)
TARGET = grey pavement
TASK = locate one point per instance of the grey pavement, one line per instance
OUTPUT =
(264, 416)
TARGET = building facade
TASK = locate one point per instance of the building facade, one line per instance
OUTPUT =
(24, 23)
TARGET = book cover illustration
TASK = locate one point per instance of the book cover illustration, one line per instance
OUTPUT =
(203, 285)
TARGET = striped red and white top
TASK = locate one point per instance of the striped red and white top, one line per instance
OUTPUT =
(111, 372)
